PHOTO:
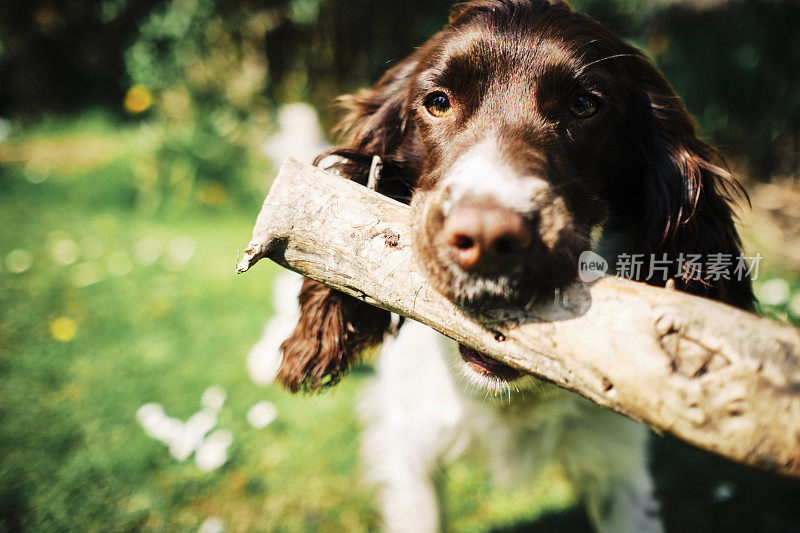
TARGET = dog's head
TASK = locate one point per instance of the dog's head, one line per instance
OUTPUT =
(519, 129)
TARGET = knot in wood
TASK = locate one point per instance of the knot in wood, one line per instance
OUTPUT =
(688, 356)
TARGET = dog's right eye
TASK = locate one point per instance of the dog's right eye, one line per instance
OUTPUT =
(438, 105)
(584, 105)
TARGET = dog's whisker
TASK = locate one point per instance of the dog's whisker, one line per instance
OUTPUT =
(615, 56)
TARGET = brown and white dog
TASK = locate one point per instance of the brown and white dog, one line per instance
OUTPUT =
(521, 134)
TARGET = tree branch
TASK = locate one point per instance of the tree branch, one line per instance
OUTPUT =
(720, 378)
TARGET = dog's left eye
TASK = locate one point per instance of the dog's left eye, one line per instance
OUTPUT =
(438, 105)
(584, 105)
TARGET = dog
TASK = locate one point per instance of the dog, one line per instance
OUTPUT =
(522, 134)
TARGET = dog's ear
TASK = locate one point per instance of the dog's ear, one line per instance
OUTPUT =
(375, 120)
(332, 331)
(690, 195)
(335, 328)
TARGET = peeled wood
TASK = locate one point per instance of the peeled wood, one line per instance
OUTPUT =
(720, 378)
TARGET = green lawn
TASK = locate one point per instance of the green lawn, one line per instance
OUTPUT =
(90, 330)
(109, 302)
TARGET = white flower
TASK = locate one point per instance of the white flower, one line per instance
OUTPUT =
(213, 397)
(191, 435)
(262, 414)
(775, 292)
(212, 524)
(213, 452)
(157, 424)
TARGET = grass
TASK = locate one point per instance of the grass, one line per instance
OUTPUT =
(97, 318)
(91, 330)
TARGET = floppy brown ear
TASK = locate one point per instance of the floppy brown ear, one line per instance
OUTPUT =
(375, 121)
(332, 331)
(690, 195)
(335, 328)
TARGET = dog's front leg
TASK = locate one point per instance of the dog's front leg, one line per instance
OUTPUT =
(414, 424)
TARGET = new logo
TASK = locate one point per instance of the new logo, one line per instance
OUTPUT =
(591, 266)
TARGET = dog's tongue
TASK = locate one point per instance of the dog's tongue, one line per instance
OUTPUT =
(484, 364)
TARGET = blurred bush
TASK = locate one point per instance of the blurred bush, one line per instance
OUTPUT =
(199, 73)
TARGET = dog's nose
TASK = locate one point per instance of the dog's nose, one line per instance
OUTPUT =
(485, 238)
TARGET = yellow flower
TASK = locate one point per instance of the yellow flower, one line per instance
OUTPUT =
(213, 194)
(63, 329)
(138, 99)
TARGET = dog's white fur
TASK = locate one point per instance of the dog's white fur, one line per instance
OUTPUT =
(425, 408)
(481, 172)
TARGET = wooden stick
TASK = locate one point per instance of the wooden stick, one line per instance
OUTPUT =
(720, 378)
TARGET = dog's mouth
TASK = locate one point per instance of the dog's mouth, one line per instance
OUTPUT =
(485, 366)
